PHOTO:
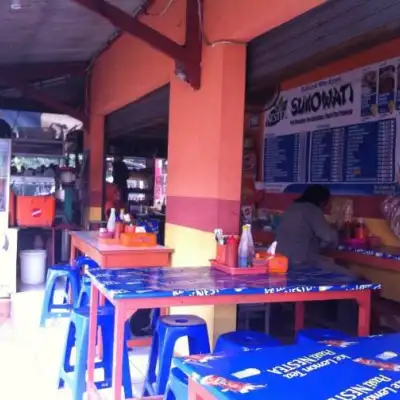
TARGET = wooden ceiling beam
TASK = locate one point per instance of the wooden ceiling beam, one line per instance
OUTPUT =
(43, 98)
(187, 57)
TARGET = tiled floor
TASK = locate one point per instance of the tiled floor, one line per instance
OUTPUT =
(30, 356)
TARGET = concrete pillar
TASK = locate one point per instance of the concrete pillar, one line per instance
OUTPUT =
(205, 166)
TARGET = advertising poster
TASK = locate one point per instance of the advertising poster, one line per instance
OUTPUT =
(342, 131)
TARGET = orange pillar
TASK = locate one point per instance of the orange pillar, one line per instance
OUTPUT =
(96, 166)
(205, 165)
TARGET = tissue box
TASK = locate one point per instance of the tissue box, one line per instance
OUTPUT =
(275, 263)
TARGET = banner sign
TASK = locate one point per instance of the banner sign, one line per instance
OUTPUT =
(341, 131)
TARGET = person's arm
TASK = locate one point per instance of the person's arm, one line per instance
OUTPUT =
(322, 229)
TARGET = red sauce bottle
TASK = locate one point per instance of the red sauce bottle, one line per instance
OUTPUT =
(347, 230)
(361, 230)
(118, 229)
(231, 255)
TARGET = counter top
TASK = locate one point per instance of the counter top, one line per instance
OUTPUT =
(385, 257)
(385, 252)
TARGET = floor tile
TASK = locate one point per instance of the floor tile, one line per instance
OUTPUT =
(31, 356)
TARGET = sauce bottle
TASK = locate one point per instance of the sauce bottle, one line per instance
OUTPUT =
(252, 248)
(111, 221)
(243, 252)
(347, 230)
(361, 230)
(232, 246)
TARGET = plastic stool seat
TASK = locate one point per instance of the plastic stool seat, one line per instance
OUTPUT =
(182, 321)
(177, 387)
(83, 262)
(167, 332)
(49, 308)
(61, 267)
(78, 337)
(313, 335)
(244, 340)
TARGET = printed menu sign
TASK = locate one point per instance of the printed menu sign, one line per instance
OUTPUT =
(377, 387)
(302, 366)
(341, 131)
(5, 161)
(365, 385)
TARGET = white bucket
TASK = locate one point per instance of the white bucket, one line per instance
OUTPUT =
(33, 266)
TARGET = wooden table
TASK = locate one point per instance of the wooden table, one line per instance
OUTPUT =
(118, 256)
(134, 289)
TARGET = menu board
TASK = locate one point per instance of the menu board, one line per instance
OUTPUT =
(341, 132)
(5, 161)
(285, 157)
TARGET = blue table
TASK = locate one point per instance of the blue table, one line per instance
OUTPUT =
(205, 281)
(379, 351)
(313, 372)
(133, 289)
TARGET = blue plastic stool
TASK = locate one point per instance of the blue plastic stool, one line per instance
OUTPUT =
(84, 294)
(78, 337)
(168, 330)
(49, 309)
(81, 263)
(177, 387)
(84, 262)
(305, 336)
(244, 340)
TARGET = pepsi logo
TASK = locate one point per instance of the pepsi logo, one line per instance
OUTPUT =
(36, 212)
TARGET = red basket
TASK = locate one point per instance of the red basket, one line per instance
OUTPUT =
(36, 210)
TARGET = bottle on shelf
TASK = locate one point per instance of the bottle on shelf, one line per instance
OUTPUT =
(361, 230)
(122, 214)
(111, 223)
(243, 251)
(347, 230)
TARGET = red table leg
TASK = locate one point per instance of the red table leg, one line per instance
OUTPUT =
(198, 392)
(99, 349)
(118, 350)
(299, 316)
(94, 301)
(364, 312)
(73, 253)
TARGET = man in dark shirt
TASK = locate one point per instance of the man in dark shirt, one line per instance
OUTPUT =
(121, 175)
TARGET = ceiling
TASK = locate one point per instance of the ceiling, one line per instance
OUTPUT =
(334, 30)
(52, 31)
(61, 31)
